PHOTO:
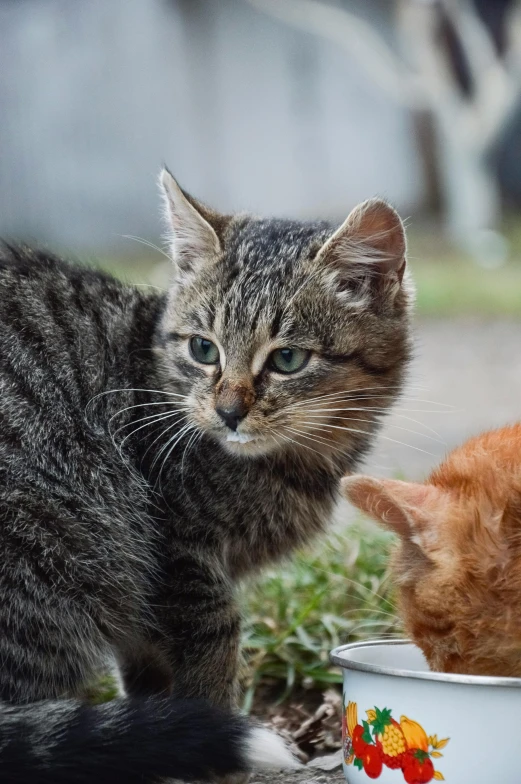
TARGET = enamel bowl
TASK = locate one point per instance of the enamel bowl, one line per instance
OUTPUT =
(404, 723)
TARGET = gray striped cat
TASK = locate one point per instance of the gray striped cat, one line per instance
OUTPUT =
(154, 450)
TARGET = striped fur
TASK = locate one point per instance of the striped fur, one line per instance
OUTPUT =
(127, 516)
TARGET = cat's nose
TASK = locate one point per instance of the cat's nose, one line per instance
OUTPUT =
(232, 415)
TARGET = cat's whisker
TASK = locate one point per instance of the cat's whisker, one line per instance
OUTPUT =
(316, 439)
(365, 421)
(164, 403)
(133, 389)
(292, 440)
(386, 438)
(158, 437)
(350, 398)
(155, 418)
(383, 390)
(370, 611)
(194, 437)
(166, 444)
(178, 407)
(119, 447)
(147, 244)
(169, 447)
(375, 623)
(308, 279)
(174, 441)
(391, 389)
(355, 583)
(381, 411)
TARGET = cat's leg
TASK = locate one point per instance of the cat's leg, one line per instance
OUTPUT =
(144, 670)
(203, 635)
(201, 624)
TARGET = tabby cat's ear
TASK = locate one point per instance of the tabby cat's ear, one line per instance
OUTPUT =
(194, 230)
(406, 508)
(368, 251)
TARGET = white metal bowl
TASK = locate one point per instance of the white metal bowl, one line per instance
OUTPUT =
(403, 722)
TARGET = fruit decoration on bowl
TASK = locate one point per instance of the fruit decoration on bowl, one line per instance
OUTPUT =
(381, 740)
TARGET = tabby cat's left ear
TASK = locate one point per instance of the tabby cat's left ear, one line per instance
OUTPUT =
(406, 508)
(195, 231)
(368, 251)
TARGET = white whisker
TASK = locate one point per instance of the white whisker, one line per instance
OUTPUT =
(165, 445)
(148, 244)
(287, 438)
(147, 424)
(364, 421)
(372, 410)
(174, 441)
(386, 438)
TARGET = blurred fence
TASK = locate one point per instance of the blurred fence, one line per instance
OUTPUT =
(249, 114)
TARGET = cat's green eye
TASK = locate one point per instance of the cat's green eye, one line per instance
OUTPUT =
(204, 350)
(288, 360)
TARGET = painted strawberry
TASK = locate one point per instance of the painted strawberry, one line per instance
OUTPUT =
(417, 767)
(359, 742)
(389, 737)
(372, 761)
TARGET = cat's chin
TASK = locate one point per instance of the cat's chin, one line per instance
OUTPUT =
(247, 446)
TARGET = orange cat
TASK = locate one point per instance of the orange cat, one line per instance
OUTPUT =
(458, 563)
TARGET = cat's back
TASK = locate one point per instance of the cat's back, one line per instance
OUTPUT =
(36, 283)
(489, 463)
(67, 326)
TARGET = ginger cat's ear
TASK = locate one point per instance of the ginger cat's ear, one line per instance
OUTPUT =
(407, 508)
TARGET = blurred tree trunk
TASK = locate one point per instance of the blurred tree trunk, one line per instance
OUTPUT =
(460, 61)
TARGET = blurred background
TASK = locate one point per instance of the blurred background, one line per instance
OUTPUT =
(295, 108)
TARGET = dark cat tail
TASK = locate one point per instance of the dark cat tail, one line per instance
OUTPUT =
(131, 740)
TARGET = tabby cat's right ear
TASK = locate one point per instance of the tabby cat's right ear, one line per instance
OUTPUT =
(195, 231)
(367, 254)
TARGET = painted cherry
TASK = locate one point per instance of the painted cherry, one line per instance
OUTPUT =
(358, 744)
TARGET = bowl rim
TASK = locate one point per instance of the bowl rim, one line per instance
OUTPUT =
(424, 675)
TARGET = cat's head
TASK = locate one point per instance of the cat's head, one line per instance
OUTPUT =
(285, 335)
(457, 566)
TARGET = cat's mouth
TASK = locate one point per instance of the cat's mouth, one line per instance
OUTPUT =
(246, 443)
(240, 438)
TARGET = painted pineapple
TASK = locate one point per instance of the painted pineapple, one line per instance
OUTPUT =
(389, 737)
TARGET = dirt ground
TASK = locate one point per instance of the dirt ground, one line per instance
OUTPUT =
(306, 776)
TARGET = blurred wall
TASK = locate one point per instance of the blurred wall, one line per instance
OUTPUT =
(248, 113)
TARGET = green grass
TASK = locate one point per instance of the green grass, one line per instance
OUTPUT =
(337, 592)
(449, 284)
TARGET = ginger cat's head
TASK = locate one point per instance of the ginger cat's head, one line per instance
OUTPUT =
(458, 563)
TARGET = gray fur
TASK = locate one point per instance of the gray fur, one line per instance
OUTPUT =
(121, 534)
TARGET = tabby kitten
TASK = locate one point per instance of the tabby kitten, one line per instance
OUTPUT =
(154, 449)
(458, 563)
